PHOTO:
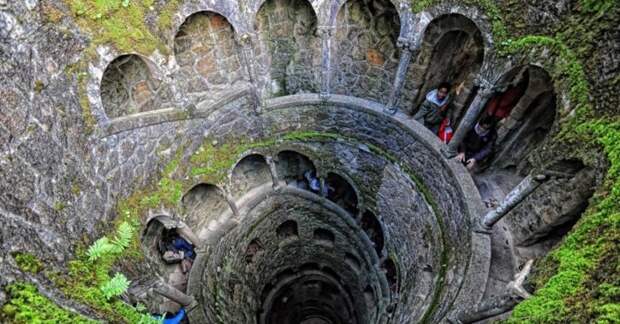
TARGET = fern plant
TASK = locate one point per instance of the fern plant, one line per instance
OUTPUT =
(115, 286)
(124, 234)
(100, 248)
(105, 247)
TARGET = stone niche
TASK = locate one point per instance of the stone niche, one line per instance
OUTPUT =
(365, 53)
(529, 119)
(289, 49)
(452, 51)
(208, 56)
(127, 87)
(204, 204)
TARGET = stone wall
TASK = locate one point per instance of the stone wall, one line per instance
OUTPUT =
(67, 158)
(208, 57)
(452, 51)
(365, 53)
(289, 48)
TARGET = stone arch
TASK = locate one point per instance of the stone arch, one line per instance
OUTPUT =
(157, 236)
(288, 229)
(253, 249)
(324, 235)
(341, 192)
(292, 166)
(250, 172)
(128, 87)
(289, 49)
(208, 56)
(391, 273)
(365, 54)
(153, 233)
(373, 228)
(530, 102)
(452, 50)
(203, 204)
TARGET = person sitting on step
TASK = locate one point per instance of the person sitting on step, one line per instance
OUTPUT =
(478, 144)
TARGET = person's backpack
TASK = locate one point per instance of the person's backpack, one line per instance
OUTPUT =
(445, 131)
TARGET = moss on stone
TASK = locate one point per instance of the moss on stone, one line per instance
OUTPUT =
(166, 15)
(114, 23)
(585, 284)
(27, 262)
(38, 86)
(83, 278)
(26, 305)
(575, 284)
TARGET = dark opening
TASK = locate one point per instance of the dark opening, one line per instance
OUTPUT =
(341, 192)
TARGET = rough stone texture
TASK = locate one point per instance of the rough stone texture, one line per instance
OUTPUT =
(365, 54)
(556, 203)
(61, 181)
(208, 57)
(289, 47)
(436, 62)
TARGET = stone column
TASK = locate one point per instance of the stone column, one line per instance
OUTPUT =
(485, 91)
(187, 232)
(514, 197)
(175, 295)
(498, 305)
(407, 50)
(247, 55)
(274, 172)
(325, 32)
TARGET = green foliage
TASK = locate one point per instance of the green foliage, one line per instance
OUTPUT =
(26, 305)
(586, 284)
(116, 286)
(597, 6)
(124, 235)
(105, 247)
(28, 262)
(59, 206)
(119, 23)
(100, 248)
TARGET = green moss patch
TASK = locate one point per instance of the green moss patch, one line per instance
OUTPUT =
(28, 262)
(585, 284)
(119, 23)
(26, 305)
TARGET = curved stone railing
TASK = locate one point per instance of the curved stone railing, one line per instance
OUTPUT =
(413, 151)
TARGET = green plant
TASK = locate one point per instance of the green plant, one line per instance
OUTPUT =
(26, 305)
(105, 247)
(28, 262)
(115, 286)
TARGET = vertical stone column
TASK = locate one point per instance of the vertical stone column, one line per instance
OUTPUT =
(247, 55)
(326, 33)
(274, 172)
(407, 50)
(485, 91)
(522, 190)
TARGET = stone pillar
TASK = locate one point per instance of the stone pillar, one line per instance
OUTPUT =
(407, 50)
(274, 172)
(247, 55)
(485, 91)
(175, 295)
(325, 32)
(514, 197)
(187, 233)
